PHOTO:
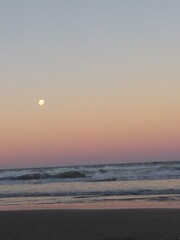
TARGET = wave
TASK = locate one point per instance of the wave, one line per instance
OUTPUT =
(95, 173)
(79, 194)
(37, 176)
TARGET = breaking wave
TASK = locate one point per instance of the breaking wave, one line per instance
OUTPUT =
(95, 173)
(36, 176)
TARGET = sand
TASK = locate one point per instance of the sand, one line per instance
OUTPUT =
(138, 224)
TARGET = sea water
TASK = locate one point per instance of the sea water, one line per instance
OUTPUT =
(155, 184)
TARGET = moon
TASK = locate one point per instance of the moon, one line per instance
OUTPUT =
(41, 102)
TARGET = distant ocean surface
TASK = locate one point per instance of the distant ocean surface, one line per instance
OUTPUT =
(92, 186)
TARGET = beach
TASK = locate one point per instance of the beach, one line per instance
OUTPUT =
(117, 224)
(139, 201)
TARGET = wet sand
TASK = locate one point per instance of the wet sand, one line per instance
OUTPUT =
(125, 224)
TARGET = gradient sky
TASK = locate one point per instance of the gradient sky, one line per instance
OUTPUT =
(109, 72)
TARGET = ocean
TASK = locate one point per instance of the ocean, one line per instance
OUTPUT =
(132, 185)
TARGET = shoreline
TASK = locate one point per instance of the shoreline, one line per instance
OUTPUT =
(107, 205)
(99, 224)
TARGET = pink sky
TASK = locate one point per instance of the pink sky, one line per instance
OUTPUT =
(109, 73)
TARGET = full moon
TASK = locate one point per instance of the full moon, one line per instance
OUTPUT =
(41, 102)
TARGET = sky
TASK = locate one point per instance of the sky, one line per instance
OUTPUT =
(108, 71)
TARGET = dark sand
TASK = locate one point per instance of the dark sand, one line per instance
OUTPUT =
(138, 224)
